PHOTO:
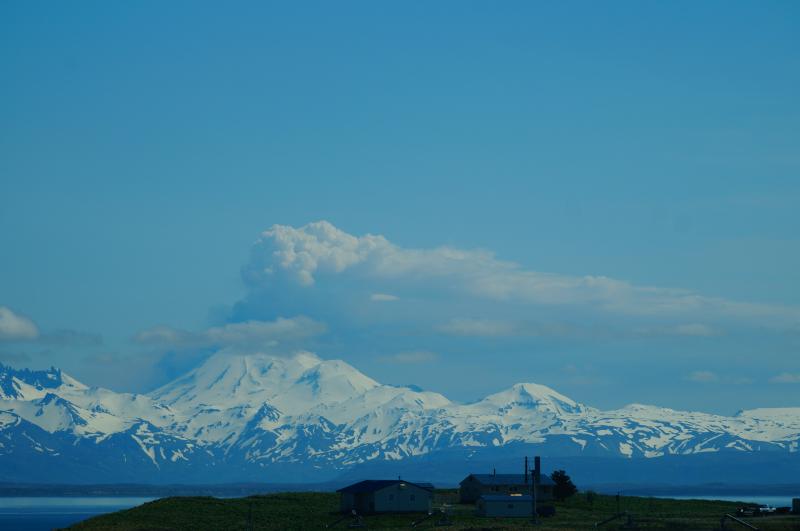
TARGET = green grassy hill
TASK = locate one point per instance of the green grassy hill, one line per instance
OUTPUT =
(288, 511)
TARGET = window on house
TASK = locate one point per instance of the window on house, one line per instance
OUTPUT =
(413, 497)
(391, 497)
(510, 505)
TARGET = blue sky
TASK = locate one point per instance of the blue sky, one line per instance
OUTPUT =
(144, 148)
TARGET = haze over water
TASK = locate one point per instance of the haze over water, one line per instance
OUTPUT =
(47, 513)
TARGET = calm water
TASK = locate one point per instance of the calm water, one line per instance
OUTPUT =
(41, 513)
(775, 501)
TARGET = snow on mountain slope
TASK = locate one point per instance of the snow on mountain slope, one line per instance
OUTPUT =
(218, 400)
(228, 380)
(327, 383)
(527, 397)
(380, 397)
(54, 401)
(240, 411)
(29, 385)
(120, 405)
(784, 416)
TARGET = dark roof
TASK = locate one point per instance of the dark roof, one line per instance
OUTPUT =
(506, 498)
(372, 485)
(508, 479)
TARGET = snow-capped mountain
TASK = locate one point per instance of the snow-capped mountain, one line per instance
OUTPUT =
(271, 418)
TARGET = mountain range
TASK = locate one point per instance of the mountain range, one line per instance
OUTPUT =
(267, 418)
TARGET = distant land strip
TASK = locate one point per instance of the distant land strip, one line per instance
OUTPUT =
(248, 489)
(158, 491)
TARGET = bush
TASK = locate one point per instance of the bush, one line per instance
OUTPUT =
(564, 486)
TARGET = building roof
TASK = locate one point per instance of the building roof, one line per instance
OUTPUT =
(506, 498)
(508, 479)
(372, 485)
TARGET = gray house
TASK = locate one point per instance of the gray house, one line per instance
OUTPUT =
(503, 505)
(386, 496)
(474, 486)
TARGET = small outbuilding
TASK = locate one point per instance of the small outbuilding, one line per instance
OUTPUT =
(505, 506)
(386, 496)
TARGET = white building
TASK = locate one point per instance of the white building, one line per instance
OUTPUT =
(505, 505)
(386, 496)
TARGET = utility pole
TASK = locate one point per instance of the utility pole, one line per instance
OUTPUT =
(526, 472)
(534, 474)
(535, 484)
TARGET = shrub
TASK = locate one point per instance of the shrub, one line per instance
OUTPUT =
(564, 486)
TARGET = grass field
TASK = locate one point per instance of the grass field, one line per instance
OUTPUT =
(288, 511)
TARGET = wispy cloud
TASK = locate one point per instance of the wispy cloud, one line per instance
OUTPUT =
(480, 327)
(694, 329)
(70, 338)
(786, 378)
(243, 335)
(383, 297)
(707, 377)
(688, 329)
(15, 327)
(583, 375)
(506, 328)
(411, 357)
(15, 357)
(703, 377)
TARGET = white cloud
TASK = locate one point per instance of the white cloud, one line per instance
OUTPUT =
(786, 378)
(383, 297)
(302, 256)
(246, 334)
(411, 357)
(703, 377)
(14, 327)
(303, 252)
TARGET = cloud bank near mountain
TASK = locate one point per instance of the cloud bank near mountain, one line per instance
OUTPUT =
(320, 257)
(395, 310)
(16, 328)
(243, 336)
